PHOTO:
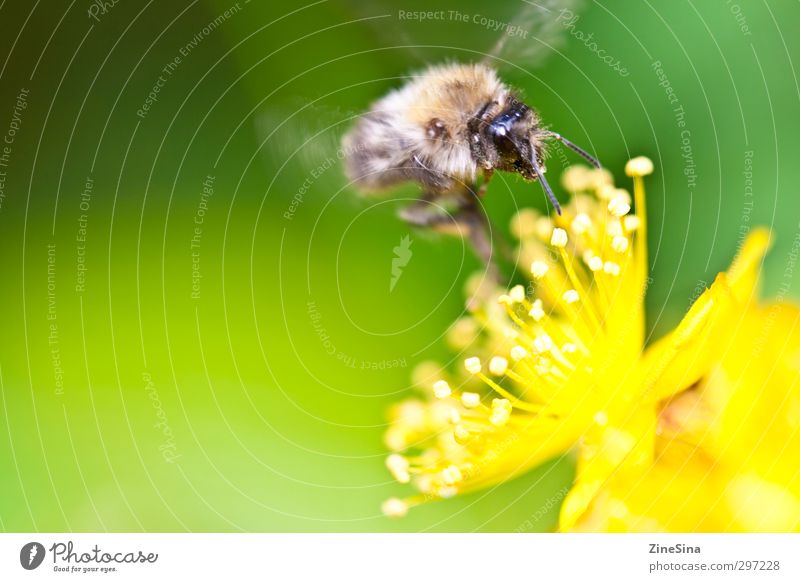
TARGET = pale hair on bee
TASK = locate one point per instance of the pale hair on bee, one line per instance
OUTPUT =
(445, 128)
(442, 128)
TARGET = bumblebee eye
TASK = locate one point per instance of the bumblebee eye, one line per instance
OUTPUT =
(500, 127)
(500, 133)
(498, 130)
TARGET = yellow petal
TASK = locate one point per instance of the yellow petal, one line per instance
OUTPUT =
(753, 396)
(675, 493)
(680, 359)
(576, 503)
(743, 272)
(609, 453)
(760, 506)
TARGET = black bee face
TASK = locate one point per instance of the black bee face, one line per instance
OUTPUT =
(511, 140)
(509, 133)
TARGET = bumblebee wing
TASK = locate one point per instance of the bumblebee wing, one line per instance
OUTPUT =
(526, 37)
(533, 34)
(387, 30)
(383, 150)
(303, 133)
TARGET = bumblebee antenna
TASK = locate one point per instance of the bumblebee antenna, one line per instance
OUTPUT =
(577, 149)
(549, 191)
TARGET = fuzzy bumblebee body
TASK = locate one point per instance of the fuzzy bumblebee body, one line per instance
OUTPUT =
(441, 129)
(444, 127)
(436, 130)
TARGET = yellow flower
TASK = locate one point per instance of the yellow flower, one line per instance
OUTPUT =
(563, 366)
(728, 449)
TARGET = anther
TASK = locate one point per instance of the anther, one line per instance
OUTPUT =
(542, 343)
(470, 399)
(473, 365)
(517, 294)
(619, 243)
(537, 310)
(394, 507)
(571, 296)
(441, 389)
(398, 466)
(559, 238)
(619, 206)
(539, 269)
(498, 365)
(519, 353)
(451, 475)
(639, 166)
(581, 223)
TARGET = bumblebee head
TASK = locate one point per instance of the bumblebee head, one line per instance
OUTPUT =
(509, 133)
(517, 137)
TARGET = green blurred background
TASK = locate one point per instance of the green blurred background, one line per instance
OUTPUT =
(256, 400)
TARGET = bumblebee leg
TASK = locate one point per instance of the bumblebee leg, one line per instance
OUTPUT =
(429, 212)
(487, 176)
(475, 224)
(477, 228)
(466, 219)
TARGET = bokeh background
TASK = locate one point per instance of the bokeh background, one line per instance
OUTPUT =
(155, 377)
